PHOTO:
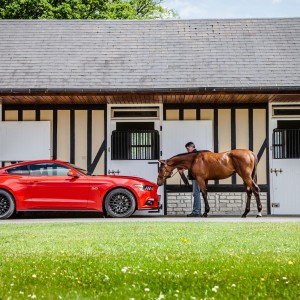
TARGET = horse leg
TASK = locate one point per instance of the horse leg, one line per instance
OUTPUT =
(255, 189)
(251, 186)
(249, 194)
(203, 187)
(207, 209)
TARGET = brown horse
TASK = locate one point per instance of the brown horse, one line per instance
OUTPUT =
(206, 165)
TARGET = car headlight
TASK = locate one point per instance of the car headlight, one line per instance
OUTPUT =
(139, 186)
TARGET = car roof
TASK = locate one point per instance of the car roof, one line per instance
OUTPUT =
(28, 162)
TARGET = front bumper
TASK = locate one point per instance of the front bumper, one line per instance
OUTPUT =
(152, 203)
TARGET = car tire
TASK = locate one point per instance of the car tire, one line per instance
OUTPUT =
(7, 205)
(120, 203)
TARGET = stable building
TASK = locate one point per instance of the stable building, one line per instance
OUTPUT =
(114, 97)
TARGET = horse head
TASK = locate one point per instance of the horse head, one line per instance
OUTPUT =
(165, 171)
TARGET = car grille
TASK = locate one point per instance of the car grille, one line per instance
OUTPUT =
(148, 187)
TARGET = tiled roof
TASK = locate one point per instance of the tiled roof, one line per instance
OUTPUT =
(146, 55)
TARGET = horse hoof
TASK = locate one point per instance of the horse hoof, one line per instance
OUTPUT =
(204, 215)
(259, 215)
(243, 216)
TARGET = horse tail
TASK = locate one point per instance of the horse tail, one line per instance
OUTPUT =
(254, 171)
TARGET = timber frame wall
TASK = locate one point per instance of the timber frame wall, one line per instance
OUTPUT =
(87, 134)
(83, 122)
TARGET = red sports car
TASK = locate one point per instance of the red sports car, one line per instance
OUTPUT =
(51, 185)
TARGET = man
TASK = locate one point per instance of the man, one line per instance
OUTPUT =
(190, 147)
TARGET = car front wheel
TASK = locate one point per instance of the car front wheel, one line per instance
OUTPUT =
(7, 205)
(120, 203)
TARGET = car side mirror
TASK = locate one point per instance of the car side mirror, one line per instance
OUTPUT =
(73, 174)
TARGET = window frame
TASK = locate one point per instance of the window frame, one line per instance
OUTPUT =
(135, 145)
(286, 143)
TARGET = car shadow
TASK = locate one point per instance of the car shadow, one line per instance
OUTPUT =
(56, 215)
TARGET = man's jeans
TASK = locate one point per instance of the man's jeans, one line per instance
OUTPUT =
(196, 196)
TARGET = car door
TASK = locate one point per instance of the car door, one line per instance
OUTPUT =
(49, 187)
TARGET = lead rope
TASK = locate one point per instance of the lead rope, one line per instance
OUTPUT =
(174, 174)
(184, 179)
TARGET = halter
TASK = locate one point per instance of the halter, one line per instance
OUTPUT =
(165, 171)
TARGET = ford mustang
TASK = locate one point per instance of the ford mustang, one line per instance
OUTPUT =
(52, 185)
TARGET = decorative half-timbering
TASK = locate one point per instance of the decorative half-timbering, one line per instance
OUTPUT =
(112, 90)
(77, 132)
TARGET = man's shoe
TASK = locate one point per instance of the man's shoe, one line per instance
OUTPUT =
(194, 215)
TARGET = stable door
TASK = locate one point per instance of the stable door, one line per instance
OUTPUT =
(285, 167)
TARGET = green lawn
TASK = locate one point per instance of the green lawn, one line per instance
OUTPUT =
(147, 260)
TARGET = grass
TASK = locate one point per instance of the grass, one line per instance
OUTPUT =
(141, 260)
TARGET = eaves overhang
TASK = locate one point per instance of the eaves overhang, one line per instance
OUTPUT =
(252, 89)
(198, 95)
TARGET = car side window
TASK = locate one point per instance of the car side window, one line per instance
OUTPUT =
(21, 170)
(36, 169)
(58, 170)
(48, 169)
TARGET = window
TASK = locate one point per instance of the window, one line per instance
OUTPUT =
(286, 143)
(135, 113)
(21, 170)
(135, 145)
(286, 111)
(42, 169)
(48, 169)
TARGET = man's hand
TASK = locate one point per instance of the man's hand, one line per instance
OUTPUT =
(180, 171)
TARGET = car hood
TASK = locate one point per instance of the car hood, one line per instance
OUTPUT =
(119, 178)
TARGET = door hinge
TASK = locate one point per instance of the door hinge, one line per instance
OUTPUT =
(113, 172)
(275, 204)
(276, 171)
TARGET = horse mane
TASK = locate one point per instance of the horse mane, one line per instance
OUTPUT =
(188, 153)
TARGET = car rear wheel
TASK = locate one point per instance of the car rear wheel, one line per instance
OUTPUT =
(7, 204)
(120, 203)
